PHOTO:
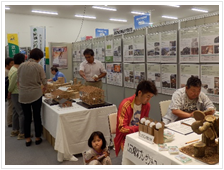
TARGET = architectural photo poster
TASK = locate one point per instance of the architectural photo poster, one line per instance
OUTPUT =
(59, 57)
(209, 42)
(153, 47)
(114, 74)
(128, 49)
(76, 53)
(189, 45)
(139, 73)
(117, 50)
(169, 47)
(129, 75)
(139, 48)
(109, 51)
(76, 70)
(186, 71)
(154, 75)
(210, 81)
(169, 78)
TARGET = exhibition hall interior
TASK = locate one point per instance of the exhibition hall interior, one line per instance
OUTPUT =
(111, 84)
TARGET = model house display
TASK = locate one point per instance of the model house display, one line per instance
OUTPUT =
(92, 95)
(65, 103)
(206, 150)
(153, 128)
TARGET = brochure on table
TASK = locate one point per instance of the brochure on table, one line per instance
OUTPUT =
(109, 51)
(168, 47)
(189, 45)
(153, 43)
(154, 75)
(209, 44)
(128, 49)
(129, 75)
(139, 74)
(186, 71)
(76, 53)
(117, 50)
(169, 78)
(210, 81)
(114, 73)
(139, 48)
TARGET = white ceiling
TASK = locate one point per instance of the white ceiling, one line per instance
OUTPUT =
(123, 11)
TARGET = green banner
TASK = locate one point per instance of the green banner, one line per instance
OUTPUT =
(13, 49)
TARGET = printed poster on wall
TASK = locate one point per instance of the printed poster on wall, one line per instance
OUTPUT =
(210, 81)
(59, 57)
(128, 49)
(189, 45)
(209, 42)
(129, 75)
(109, 51)
(139, 48)
(76, 66)
(117, 50)
(186, 71)
(76, 53)
(101, 51)
(114, 73)
(169, 47)
(154, 75)
(153, 47)
(139, 74)
(169, 78)
(94, 48)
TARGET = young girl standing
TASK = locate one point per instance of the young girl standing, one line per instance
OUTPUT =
(98, 153)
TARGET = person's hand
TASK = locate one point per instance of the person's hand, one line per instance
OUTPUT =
(49, 80)
(209, 111)
(9, 96)
(106, 154)
(96, 78)
(192, 114)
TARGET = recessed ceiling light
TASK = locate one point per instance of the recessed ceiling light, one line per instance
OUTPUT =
(7, 8)
(200, 10)
(120, 20)
(177, 6)
(45, 12)
(139, 13)
(169, 17)
(104, 8)
(84, 16)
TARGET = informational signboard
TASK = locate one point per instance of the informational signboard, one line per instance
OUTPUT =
(76, 52)
(189, 45)
(129, 75)
(153, 44)
(169, 47)
(101, 32)
(128, 49)
(123, 30)
(13, 43)
(76, 66)
(59, 57)
(117, 50)
(114, 73)
(141, 21)
(109, 51)
(139, 74)
(154, 75)
(139, 48)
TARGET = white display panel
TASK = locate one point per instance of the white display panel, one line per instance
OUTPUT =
(114, 74)
(129, 75)
(139, 48)
(153, 46)
(128, 49)
(109, 51)
(154, 75)
(117, 50)
(139, 74)
(76, 53)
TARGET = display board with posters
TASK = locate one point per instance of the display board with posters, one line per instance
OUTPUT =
(139, 48)
(209, 43)
(109, 51)
(169, 78)
(153, 43)
(59, 57)
(154, 75)
(104, 78)
(76, 66)
(117, 50)
(210, 81)
(169, 46)
(189, 45)
(95, 50)
(114, 73)
(139, 73)
(186, 71)
(76, 52)
(128, 49)
(129, 75)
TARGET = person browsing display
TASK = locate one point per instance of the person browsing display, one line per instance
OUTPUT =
(92, 70)
(56, 73)
(188, 99)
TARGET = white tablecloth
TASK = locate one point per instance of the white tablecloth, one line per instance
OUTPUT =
(138, 152)
(71, 127)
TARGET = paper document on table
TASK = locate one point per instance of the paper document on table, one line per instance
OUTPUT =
(180, 128)
(188, 121)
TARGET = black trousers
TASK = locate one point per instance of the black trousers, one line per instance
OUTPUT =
(35, 109)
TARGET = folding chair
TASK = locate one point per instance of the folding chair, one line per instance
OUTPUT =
(112, 118)
(164, 105)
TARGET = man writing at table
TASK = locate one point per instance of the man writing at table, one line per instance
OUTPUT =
(92, 70)
(131, 110)
(188, 99)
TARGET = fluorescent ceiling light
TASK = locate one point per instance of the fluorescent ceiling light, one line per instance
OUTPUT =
(83, 16)
(7, 8)
(174, 6)
(139, 13)
(104, 8)
(169, 17)
(45, 12)
(120, 20)
(200, 10)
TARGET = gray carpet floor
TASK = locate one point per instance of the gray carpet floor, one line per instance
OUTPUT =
(16, 153)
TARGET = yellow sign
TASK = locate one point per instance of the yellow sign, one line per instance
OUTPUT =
(13, 39)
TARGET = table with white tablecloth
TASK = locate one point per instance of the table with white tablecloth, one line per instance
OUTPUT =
(72, 126)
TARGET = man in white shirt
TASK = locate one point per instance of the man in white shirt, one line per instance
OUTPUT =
(92, 70)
